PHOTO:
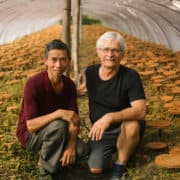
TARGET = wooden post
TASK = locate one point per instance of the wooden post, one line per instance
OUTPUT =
(66, 22)
(75, 40)
(67, 26)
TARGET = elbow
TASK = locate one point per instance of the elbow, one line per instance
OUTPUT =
(142, 112)
(74, 128)
(29, 126)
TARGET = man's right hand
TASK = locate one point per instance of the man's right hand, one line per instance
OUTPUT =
(68, 115)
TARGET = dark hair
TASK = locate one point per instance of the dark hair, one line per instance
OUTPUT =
(56, 44)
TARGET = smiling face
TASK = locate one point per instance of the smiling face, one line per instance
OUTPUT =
(110, 54)
(57, 61)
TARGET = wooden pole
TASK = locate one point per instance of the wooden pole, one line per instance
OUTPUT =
(75, 40)
(67, 27)
(66, 22)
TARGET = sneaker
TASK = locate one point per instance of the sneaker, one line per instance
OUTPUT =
(42, 174)
(119, 172)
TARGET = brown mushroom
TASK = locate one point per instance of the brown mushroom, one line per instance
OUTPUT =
(168, 160)
(159, 123)
(157, 77)
(170, 85)
(156, 145)
(175, 103)
(174, 110)
(173, 107)
(146, 73)
(175, 90)
(157, 81)
(175, 150)
(166, 98)
(14, 81)
(177, 82)
(12, 108)
(169, 73)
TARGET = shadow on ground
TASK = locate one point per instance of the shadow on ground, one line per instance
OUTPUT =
(81, 172)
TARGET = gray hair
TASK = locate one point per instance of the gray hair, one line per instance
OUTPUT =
(112, 36)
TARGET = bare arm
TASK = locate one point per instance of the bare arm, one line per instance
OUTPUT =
(69, 154)
(41, 121)
(135, 112)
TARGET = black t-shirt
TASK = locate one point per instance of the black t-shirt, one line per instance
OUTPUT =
(114, 94)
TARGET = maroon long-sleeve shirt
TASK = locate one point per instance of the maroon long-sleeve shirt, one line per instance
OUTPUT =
(40, 99)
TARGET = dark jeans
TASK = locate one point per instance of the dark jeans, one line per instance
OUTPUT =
(50, 142)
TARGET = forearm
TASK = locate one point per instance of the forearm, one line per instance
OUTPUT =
(73, 134)
(126, 115)
(130, 113)
(69, 153)
(41, 121)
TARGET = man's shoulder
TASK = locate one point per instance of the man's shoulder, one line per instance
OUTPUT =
(92, 68)
(37, 78)
(38, 75)
(127, 70)
(68, 81)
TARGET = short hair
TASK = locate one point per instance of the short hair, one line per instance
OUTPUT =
(112, 36)
(56, 44)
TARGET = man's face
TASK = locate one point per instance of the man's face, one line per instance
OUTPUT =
(110, 54)
(57, 62)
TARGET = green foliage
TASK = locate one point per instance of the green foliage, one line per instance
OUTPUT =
(86, 20)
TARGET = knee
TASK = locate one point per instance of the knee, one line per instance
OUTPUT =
(131, 129)
(58, 124)
(96, 170)
(56, 128)
(82, 150)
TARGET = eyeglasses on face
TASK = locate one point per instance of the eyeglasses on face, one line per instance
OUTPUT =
(112, 50)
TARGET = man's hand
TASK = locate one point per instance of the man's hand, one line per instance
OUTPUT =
(69, 116)
(68, 157)
(99, 127)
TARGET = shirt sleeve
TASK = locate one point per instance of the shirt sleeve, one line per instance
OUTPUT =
(135, 87)
(30, 100)
(73, 100)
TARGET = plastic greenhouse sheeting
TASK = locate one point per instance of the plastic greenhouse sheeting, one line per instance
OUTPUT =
(150, 20)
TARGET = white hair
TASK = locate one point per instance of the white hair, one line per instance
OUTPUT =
(112, 36)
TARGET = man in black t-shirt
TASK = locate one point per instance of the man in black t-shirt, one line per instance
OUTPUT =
(117, 107)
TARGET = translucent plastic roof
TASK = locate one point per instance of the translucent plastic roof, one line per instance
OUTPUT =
(152, 20)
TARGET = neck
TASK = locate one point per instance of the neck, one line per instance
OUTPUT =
(55, 79)
(108, 73)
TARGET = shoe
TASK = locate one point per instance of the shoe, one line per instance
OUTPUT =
(58, 175)
(42, 174)
(119, 172)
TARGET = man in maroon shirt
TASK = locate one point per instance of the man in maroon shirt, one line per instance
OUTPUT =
(49, 121)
